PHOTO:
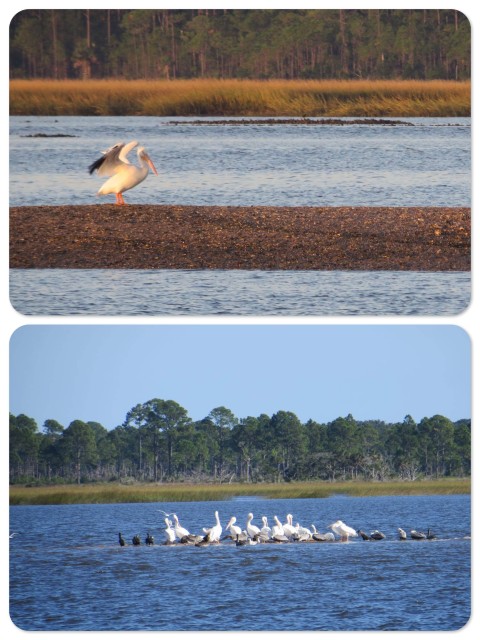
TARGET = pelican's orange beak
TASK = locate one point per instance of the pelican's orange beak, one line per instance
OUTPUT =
(151, 165)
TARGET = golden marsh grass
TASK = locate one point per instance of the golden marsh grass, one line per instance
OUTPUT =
(115, 493)
(212, 97)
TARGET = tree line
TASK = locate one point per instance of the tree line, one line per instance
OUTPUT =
(159, 442)
(240, 43)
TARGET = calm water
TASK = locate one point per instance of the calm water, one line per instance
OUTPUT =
(68, 572)
(264, 293)
(284, 165)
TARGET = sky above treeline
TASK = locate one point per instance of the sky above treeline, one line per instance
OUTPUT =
(99, 372)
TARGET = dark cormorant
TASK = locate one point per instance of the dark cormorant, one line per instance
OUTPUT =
(136, 540)
(191, 539)
(203, 541)
(363, 535)
(241, 539)
(149, 539)
(121, 541)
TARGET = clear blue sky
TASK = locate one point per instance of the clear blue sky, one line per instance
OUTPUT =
(99, 372)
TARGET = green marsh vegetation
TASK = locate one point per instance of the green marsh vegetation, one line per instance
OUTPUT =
(159, 444)
(179, 492)
(214, 97)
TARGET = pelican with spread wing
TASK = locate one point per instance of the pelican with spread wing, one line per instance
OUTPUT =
(123, 174)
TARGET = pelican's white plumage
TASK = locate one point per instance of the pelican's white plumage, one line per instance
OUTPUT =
(417, 535)
(123, 174)
(303, 533)
(265, 530)
(216, 531)
(288, 528)
(252, 529)
(169, 532)
(233, 528)
(343, 530)
(277, 529)
(180, 531)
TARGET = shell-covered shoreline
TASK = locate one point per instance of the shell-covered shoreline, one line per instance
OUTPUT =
(224, 237)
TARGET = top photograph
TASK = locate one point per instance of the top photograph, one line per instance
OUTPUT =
(238, 162)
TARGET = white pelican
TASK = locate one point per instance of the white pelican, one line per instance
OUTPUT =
(320, 537)
(277, 529)
(215, 532)
(233, 528)
(252, 529)
(277, 532)
(265, 530)
(288, 528)
(249, 541)
(417, 535)
(303, 533)
(180, 532)
(169, 532)
(323, 537)
(343, 530)
(123, 175)
(402, 534)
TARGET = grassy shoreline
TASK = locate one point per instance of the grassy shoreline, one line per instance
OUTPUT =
(106, 493)
(210, 97)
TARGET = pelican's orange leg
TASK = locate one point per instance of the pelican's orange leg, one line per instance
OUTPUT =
(120, 199)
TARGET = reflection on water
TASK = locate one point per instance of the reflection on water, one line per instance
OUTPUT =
(237, 292)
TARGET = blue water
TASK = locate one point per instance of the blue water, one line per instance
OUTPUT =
(281, 165)
(264, 293)
(69, 573)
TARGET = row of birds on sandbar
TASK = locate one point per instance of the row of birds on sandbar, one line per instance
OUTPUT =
(252, 534)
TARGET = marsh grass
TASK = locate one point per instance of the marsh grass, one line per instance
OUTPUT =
(116, 493)
(211, 97)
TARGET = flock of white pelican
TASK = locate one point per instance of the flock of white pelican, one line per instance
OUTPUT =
(122, 174)
(251, 534)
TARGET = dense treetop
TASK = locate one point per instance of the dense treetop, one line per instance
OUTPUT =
(158, 441)
(240, 43)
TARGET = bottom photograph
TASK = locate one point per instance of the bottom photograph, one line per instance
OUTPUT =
(240, 477)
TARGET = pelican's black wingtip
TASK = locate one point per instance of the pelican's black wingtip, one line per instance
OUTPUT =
(96, 165)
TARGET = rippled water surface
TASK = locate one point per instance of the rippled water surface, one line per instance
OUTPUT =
(67, 571)
(179, 292)
(283, 165)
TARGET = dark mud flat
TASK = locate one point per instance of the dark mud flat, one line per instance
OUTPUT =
(276, 121)
(280, 238)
